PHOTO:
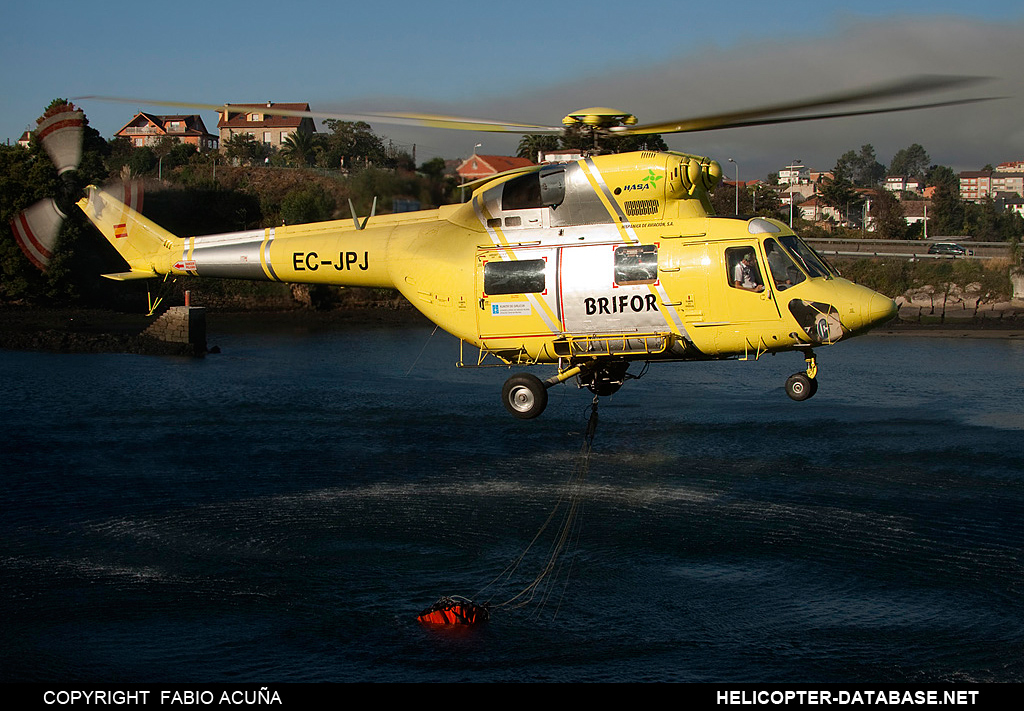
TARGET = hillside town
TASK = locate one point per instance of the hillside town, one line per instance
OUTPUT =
(268, 164)
(248, 131)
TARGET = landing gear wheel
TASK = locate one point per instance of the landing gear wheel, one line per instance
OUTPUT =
(801, 387)
(524, 396)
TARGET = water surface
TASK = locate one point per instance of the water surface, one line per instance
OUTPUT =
(281, 511)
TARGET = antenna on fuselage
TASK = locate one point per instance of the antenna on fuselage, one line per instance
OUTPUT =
(355, 218)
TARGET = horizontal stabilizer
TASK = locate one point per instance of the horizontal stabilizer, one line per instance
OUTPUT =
(129, 276)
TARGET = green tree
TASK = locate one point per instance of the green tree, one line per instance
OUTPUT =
(350, 144)
(179, 154)
(308, 204)
(724, 197)
(440, 188)
(400, 159)
(840, 194)
(142, 161)
(433, 168)
(860, 167)
(120, 152)
(981, 221)
(942, 175)
(887, 211)
(844, 167)
(383, 184)
(911, 162)
(948, 212)
(767, 202)
(758, 200)
(245, 149)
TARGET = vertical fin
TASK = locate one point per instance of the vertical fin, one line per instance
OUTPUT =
(142, 243)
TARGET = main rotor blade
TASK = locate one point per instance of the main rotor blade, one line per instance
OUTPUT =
(809, 117)
(748, 117)
(464, 124)
(752, 117)
(397, 118)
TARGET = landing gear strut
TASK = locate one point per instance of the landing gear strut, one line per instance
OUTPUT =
(801, 386)
(525, 396)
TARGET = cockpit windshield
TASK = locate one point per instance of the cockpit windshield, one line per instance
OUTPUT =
(805, 257)
(785, 272)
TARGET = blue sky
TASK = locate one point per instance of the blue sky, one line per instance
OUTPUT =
(532, 61)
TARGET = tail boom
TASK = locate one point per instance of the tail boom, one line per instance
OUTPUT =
(328, 253)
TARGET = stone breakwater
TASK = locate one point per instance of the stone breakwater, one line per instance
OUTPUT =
(90, 331)
(182, 325)
(956, 307)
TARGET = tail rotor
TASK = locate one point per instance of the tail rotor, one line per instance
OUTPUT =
(61, 132)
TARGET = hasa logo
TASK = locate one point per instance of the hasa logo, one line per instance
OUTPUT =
(648, 183)
(652, 178)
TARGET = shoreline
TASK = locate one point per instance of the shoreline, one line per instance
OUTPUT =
(93, 330)
(966, 330)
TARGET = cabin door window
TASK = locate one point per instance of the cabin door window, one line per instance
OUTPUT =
(745, 296)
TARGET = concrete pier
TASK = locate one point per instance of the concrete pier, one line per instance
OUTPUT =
(181, 324)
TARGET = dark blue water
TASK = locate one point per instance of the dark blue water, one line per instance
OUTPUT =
(283, 510)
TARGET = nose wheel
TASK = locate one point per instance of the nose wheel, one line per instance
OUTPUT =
(801, 386)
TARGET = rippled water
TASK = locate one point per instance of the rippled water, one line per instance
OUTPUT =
(282, 511)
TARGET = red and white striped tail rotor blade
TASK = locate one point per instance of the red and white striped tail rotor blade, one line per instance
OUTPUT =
(129, 192)
(60, 131)
(36, 230)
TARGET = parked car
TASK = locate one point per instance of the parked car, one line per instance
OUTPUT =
(950, 248)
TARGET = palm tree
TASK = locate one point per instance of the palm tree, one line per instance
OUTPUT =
(298, 148)
(532, 144)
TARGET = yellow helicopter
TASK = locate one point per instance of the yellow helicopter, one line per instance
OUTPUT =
(588, 265)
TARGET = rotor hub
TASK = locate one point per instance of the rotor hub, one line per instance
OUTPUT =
(599, 117)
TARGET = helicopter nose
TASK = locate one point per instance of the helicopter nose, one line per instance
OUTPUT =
(866, 309)
(878, 310)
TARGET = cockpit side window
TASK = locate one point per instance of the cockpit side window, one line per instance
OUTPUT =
(521, 193)
(535, 189)
(744, 272)
(783, 269)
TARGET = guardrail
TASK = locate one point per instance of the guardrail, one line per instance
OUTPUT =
(905, 249)
(902, 255)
